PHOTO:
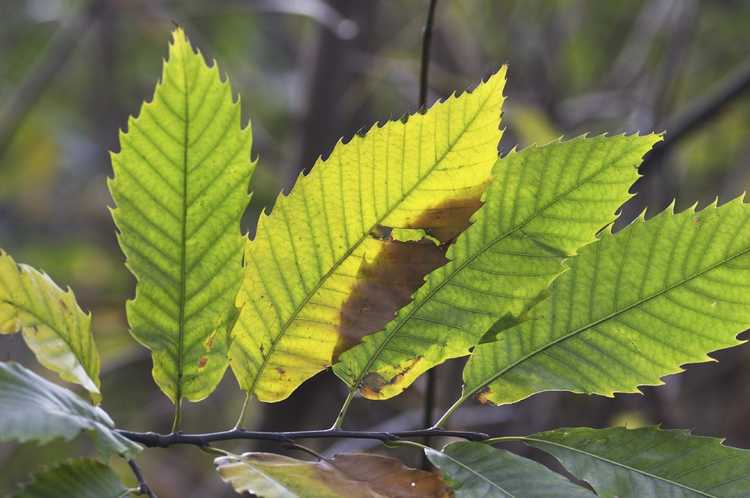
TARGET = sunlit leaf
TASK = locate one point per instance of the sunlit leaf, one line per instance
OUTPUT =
(632, 308)
(544, 203)
(51, 322)
(180, 186)
(324, 269)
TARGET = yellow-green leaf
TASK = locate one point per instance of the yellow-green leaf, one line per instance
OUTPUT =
(324, 271)
(180, 186)
(51, 322)
(543, 205)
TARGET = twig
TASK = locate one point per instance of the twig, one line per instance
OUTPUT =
(154, 440)
(429, 396)
(143, 488)
(56, 55)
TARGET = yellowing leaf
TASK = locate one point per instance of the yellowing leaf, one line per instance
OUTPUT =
(344, 476)
(543, 205)
(180, 186)
(324, 271)
(51, 322)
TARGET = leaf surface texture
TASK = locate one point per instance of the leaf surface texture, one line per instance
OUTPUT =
(81, 478)
(180, 187)
(543, 204)
(344, 476)
(51, 322)
(477, 470)
(632, 308)
(649, 462)
(34, 409)
(324, 271)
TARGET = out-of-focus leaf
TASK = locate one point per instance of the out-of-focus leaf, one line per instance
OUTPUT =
(34, 409)
(82, 478)
(51, 322)
(344, 476)
(478, 470)
(649, 462)
(181, 186)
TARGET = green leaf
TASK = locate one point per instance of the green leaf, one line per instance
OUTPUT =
(632, 308)
(34, 409)
(476, 469)
(180, 186)
(649, 462)
(51, 322)
(352, 475)
(81, 478)
(324, 270)
(544, 203)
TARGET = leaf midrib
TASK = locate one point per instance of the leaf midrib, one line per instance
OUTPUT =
(601, 320)
(350, 251)
(618, 464)
(518, 228)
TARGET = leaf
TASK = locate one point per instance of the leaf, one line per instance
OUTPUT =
(323, 270)
(476, 469)
(82, 478)
(352, 475)
(51, 322)
(34, 409)
(632, 308)
(649, 462)
(180, 187)
(544, 203)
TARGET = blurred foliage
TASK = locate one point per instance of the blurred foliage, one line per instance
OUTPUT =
(575, 65)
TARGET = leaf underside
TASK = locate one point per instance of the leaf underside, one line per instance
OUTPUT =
(180, 187)
(632, 308)
(34, 409)
(479, 470)
(649, 462)
(543, 204)
(344, 476)
(325, 269)
(51, 322)
(81, 478)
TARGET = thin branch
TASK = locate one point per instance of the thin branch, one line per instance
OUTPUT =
(143, 488)
(154, 440)
(429, 396)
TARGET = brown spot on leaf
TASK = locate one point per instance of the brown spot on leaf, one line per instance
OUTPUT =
(202, 362)
(373, 382)
(483, 396)
(384, 286)
(280, 370)
(447, 220)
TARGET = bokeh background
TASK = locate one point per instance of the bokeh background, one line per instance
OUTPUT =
(310, 72)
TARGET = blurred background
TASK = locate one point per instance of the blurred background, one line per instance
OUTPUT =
(310, 72)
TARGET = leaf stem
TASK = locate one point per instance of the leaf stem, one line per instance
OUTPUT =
(241, 418)
(177, 415)
(455, 406)
(344, 408)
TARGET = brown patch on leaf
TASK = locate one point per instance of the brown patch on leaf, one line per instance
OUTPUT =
(483, 396)
(384, 286)
(202, 361)
(373, 382)
(354, 475)
(447, 220)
